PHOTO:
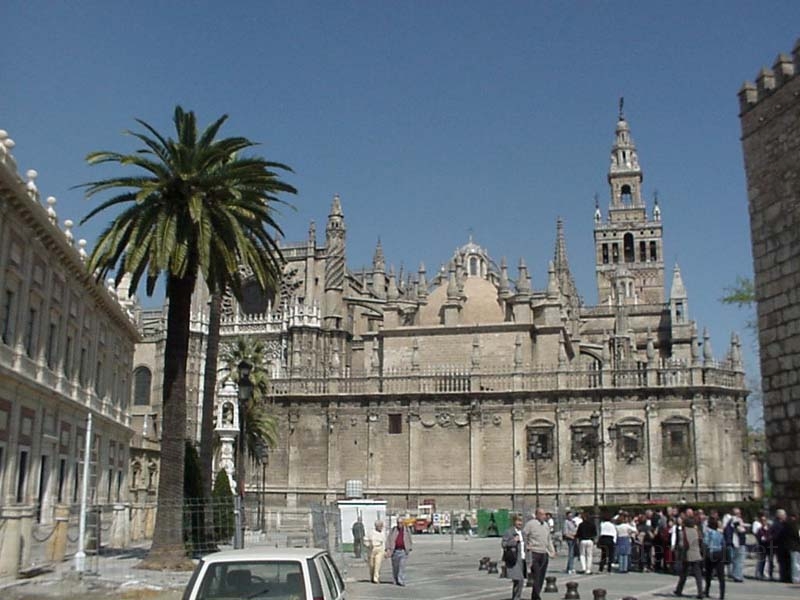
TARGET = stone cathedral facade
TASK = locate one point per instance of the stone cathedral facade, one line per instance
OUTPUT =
(472, 386)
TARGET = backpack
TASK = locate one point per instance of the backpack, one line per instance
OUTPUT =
(727, 533)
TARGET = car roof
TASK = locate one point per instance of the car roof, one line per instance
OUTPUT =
(263, 553)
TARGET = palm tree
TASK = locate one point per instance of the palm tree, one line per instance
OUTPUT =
(194, 209)
(258, 428)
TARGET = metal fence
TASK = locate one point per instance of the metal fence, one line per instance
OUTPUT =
(115, 532)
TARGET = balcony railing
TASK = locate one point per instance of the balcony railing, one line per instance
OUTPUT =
(452, 380)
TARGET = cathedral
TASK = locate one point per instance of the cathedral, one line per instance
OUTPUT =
(470, 386)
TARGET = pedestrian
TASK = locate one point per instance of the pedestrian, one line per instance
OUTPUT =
(358, 537)
(714, 548)
(586, 533)
(762, 529)
(689, 550)
(398, 546)
(514, 557)
(625, 530)
(787, 546)
(735, 534)
(568, 533)
(646, 536)
(607, 542)
(466, 527)
(538, 550)
(376, 542)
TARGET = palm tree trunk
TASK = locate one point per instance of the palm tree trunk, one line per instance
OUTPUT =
(167, 550)
(209, 394)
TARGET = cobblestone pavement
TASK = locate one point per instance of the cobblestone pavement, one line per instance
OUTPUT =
(439, 568)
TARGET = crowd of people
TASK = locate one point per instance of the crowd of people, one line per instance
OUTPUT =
(681, 542)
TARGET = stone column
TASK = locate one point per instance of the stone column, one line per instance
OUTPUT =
(15, 539)
(57, 544)
(120, 536)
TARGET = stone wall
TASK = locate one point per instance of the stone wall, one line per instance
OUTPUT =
(770, 119)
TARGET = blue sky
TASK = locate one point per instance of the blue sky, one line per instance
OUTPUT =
(430, 119)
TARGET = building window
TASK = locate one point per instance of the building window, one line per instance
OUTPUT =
(653, 252)
(141, 386)
(395, 423)
(110, 483)
(8, 318)
(82, 367)
(52, 343)
(625, 193)
(62, 477)
(630, 442)
(615, 252)
(539, 442)
(99, 388)
(473, 266)
(22, 475)
(30, 333)
(581, 436)
(628, 248)
(642, 251)
(676, 443)
(605, 254)
(68, 357)
(679, 314)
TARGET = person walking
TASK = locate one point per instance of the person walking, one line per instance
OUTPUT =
(761, 529)
(514, 557)
(376, 542)
(587, 532)
(714, 545)
(607, 542)
(538, 550)
(625, 531)
(358, 537)
(398, 546)
(689, 550)
(568, 532)
(735, 534)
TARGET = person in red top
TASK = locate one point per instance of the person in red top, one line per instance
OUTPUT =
(398, 545)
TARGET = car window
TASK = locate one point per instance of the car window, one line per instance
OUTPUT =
(266, 579)
(327, 577)
(314, 576)
(187, 593)
(335, 571)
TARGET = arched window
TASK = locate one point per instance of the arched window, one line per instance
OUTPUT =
(141, 386)
(627, 245)
(473, 266)
(540, 441)
(653, 252)
(625, 194)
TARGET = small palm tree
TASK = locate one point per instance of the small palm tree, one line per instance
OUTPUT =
(194, 209)
(258, 428)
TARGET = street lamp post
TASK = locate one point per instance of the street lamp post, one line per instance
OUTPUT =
(244, 393)
(594, 444)
(536, 450)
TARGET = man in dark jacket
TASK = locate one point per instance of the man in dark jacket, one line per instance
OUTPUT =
(514, 557)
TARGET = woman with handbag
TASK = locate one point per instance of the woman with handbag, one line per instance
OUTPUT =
(514, 557)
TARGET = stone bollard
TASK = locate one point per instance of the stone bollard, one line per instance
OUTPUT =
(57, 544)
(483, 563)
(492, 567)
(629, 598)
(599, 594)
(572, 591)
(550, 584)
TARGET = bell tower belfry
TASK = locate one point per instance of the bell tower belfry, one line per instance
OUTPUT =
(628, 240)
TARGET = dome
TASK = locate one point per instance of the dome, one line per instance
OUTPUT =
(480, 307)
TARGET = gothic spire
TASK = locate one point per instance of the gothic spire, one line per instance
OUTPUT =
(678, 290)
(378, 259)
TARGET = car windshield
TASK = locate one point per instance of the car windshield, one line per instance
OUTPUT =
(271, 579)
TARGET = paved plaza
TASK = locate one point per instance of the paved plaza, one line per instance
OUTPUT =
(436, 572)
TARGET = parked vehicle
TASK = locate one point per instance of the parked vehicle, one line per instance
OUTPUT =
(268, 574)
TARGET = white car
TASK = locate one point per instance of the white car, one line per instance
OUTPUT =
(267, 574)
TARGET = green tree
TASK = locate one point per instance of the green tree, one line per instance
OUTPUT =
(194, 209)
(258, 428)
(224, 521)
